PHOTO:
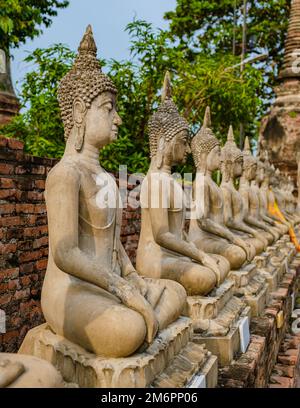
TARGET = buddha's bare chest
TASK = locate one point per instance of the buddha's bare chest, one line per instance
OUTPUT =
(97, 202)
(216, 197)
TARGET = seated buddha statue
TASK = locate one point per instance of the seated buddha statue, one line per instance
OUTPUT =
(250, 197)
(22, 371)
(92, 295)
(207, 229)
(231, 169)
(262, 184)
(288, 188)
(163, 249)
(285, 197)
(266, 195)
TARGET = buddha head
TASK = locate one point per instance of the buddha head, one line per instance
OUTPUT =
(265, 164)
(168, 131)
(87, 99)
(206, 147)
(250, 162)
(232, 158)
(260, 174)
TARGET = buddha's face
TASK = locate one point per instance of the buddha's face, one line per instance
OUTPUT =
(260, 176)
(101, 120)
(214, 159)
(180, 148)
(250, 172)
(238, 167)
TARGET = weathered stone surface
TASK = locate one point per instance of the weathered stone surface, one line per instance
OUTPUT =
(279, 133)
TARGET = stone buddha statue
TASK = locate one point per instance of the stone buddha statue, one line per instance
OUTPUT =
(280, 189)
(208, 230)
(92, 295)
(286, 199)
(21, 371)
(163, 249)
(250, 197)
(267, 198)
(262, 182)
(231, 169)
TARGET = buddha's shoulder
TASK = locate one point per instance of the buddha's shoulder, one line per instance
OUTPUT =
(65, 171)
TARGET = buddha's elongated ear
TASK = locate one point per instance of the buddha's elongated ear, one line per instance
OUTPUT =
(160, 152)
(79, 111)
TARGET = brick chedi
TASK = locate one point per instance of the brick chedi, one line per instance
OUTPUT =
(9, 105)
(280, 129)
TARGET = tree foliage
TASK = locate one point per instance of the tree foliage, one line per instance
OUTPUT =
(212, 25)
(22, 19)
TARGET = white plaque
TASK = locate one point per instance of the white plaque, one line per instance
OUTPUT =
(293, 300)
(286, 266)
(198, 381)
(244, 334)
(2, 321)
(2, 62)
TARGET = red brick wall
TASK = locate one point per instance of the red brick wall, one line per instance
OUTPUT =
(24, 239)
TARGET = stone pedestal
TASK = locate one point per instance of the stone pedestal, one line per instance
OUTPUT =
(172, 360)
(227, 347)
(252, 287)
(219, 315)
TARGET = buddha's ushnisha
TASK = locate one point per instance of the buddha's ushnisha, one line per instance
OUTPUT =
(92, 294)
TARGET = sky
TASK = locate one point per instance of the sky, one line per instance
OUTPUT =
(108, 19)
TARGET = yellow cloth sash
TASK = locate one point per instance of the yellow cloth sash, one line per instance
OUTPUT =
(275, 211)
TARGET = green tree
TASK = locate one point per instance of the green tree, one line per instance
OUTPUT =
(22, 19)
(213, 26)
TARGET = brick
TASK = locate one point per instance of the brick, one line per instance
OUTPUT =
(3, 287)
(6, 183)
(25, 280)
(40, 242)
(9, 273)
(10, 221)
(15, 144)
(280, 382)
(29, 256)
(290, 357)
(25, 208)
(40, 184)
(6, 168)
(41, 264)
(7, 208)
(35, 196)
(22, 294)
(40, 208)
(285, 370)
(7, 248)
(8, 194)
(35, 231)
(14, 284)
(38, 170)
(22, 169)
(26, 268)
(5, 298)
